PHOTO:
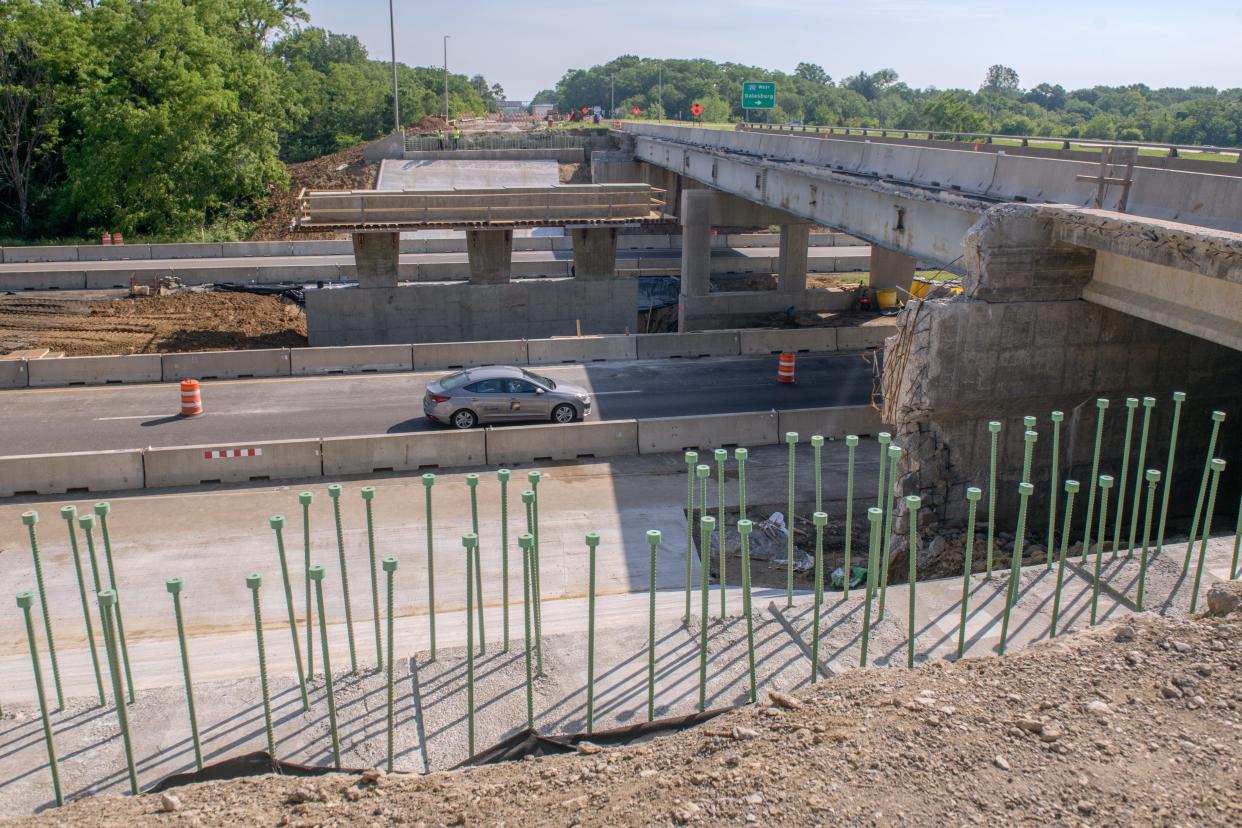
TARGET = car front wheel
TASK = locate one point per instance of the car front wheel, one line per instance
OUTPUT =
(564, 413)
(464, 419)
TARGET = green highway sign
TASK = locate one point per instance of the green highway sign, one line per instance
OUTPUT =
(758, 95)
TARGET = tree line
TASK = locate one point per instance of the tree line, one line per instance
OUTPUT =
(667, 88)
(173, 119)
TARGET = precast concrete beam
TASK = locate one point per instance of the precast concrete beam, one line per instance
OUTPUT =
(595, 252)
(376, 257)
(491, 256)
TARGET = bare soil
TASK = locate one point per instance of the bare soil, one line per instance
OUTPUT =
(1125, 724)
(146, 325)
(344, 170)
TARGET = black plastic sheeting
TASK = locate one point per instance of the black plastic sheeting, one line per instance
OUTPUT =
(529, 743)
(657, 292)
(293, 291)
(250, 764)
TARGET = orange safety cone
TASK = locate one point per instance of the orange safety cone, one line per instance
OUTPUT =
(785, 373)
(105, 238)
(191, 398)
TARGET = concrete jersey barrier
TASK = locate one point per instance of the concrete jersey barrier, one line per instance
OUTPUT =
(709, 431)
(403, 452)
(13, 373)
(355, 359)
(94, 370)
(832, 423)
(535, 443)
(92, 471)
(226, 365)
(231, 463)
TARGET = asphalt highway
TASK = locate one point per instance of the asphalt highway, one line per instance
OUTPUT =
(38, 421)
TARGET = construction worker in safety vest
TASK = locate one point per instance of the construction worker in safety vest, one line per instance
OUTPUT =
(440, 140)
(456, 137)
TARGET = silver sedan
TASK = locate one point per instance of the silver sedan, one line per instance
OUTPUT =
(502, 394)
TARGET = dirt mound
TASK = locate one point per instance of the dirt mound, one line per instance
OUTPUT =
(1132, 724)
(155, 324)
(344, 170)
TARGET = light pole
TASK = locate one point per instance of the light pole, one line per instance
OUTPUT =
(661, 91)
(446, 111)
(396, 106)
(612, 98)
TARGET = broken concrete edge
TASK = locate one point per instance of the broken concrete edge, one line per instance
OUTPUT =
(178, 466)
(355, 359)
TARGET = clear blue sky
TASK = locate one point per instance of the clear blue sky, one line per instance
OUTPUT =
(527, 46)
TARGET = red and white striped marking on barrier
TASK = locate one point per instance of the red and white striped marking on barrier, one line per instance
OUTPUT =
(221, 454)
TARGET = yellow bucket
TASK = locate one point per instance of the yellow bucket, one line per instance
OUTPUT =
(886, 299)
(919, 287)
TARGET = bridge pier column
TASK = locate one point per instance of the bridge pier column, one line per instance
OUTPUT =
(491, 256)
(696, 250)
(595, 252)
(376, 259)
(889, 270)
(795, 239)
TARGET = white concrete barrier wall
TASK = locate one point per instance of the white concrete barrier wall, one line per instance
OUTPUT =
(534, 443)
(13, 373)
(357, 359)
(799, 340)
(832, 423)
(92, 471)
(94, 370)
(435, 355)
(403, 452)
(704, 343)
(864, 336)
(581, 349)
(707, 432)
(231, 463)
(226, 365)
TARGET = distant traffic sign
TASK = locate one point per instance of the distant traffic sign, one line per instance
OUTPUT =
(634, 110)
(758, 95)
(696, 109)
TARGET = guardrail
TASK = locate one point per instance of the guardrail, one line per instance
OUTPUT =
(494, 141)
(429, 356)
(157, 468)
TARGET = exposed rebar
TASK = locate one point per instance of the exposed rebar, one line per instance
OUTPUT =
(277, 522)
(1071, 488)
(874, 516)
(102, 510)
(994, 428)
(913, 502)
(973, 496)
(791, 437)
(174, 586)
(653, 541)
(429, 480)
(1218, 417)
(1148, 404)
(253, 582)
(25, 600)
(390, 567)
(368, 495)
(472, 482)
(1025, 490)
(1218, 466)
(721, 456)
(107, 600)
(1132, 404)
(1101, 406)
(592, 541)
(535, 572)
(1057, 418)
(1153, 477)
(334, 492)
(706, 525)
(503, 476)
(524, 543)
(692, 459)
(744, 528)
(1106, 483)
(1179, 397)
(851, 442)
(820, 520)
(30, 519)
(890, 506)
(305, 499)
(469, 541)
(316, 574)
(70, 514)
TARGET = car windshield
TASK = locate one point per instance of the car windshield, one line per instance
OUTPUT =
(454, 380)
(544, 381)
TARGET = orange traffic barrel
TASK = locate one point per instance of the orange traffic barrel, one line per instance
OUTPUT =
(117, 238)
(785, 373)
(105, 238)
(191, 398)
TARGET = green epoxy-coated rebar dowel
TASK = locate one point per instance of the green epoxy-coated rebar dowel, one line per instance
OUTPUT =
(531, 596)
(316, 572)
(102, 510)
(994, 428)
(1057, 418)
(704, 472)
(1071, 489)
(851, 443)
(253, 582)
(304, 498)
(1028, 453)
(1106, 483)
(874, 516)
(368, 495)
(1153, 478)
(429, 480)
(524, 543)
(817, 443)
(1101, 406)
(886, 545)
(472, 481)
(692, 459)
(1179, 397)
(1148, 404)
(721, 456)
(87, 523)
(1218, 417)
(469, 540)
(820, 520)
(913, 503)
(592, 541)
(791, 437)
(390, 568)
(1132, 405)
(653, 541)
(174, 586)
(277, 522)
(107, 600)
(30, 519)
(503, 476)
(25, 600)
(883, 438)
(744, 528)
(973, 496)
(70, 514)
(1218, 466)
(707, 524)
(1013, 589)
(334, 492)
(740, 455)
(536, 573)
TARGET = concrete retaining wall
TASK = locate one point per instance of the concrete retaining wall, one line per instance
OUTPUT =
(226, 365)
(192, 465)
(528, 444)
(403, 452)
(707, 432)
(13, 373)
(833, 423)
(94, 370)
(360, 359)
(581, 349)
(92, 471)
